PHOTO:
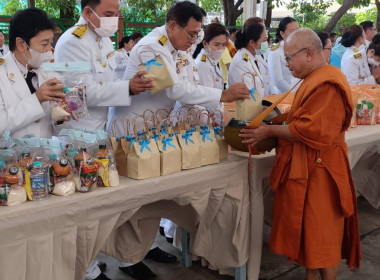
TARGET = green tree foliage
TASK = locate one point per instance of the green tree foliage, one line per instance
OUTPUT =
(54, 8)
(310, 13)
(145, 10)
(346, 20)
(369, 14)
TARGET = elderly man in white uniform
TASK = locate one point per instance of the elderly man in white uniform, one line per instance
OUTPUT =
(179, 33)
(24, 94)
(183, 23)
(89, 41)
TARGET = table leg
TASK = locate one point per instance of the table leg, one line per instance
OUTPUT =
(186, 255)
(241, 272)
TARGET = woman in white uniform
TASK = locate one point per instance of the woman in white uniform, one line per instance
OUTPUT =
(209, 63)
(122, 55)
(354, 61)
(24, 96)
(248, 43)
(282, 77)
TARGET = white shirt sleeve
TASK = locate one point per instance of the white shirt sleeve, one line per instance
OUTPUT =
(107, 93)
(275, 69)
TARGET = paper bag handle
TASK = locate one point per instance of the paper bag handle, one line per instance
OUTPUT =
(259, 119)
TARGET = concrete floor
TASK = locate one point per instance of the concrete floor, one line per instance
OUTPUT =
(273, 267)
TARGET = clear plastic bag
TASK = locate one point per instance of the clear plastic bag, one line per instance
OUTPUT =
(73, 76)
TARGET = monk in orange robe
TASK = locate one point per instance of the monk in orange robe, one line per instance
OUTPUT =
(315, 212)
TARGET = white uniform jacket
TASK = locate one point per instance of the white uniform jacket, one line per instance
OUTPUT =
(365, 45)
(209, 70)
(20, 111)
(241, 66)
(281, 76)
(102, 90)
(355, 66)
(182, 90)
(121, 59)
(264, 70)
(5, 50)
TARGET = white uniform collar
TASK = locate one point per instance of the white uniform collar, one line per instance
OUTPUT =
(213, 61)
(83, 21)
(169, 46)
(253, 59)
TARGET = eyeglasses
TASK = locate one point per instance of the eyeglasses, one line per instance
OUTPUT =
(191, 37)
(288, 58)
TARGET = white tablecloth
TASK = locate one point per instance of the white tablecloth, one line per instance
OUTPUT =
(57, 238)
(363, 143)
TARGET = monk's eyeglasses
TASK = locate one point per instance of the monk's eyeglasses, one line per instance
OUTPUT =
(288, 58)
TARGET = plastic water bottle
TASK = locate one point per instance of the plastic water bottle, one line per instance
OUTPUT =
(39, 181)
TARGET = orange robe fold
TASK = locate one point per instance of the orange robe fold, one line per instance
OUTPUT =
(315, 212)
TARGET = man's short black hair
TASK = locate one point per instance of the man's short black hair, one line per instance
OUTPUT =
(366, 25)
(181, 13)
(28, 23)
(91, 3)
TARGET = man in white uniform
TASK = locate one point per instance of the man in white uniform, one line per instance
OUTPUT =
(183, 24)
(89, 41)
(370, 30)
(3, 47)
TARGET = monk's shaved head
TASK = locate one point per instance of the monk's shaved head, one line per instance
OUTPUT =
(303, 52)
(305, 38)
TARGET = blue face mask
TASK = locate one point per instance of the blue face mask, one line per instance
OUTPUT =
(264, 47)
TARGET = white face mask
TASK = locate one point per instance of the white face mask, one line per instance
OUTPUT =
(38, 58)
(108, 25)
(373, 62)
(263, 48)
(201, 35)
(214, 54)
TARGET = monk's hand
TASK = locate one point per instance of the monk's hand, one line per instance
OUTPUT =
(139, 83)
(254, 135)
(51, 90)
(235, 92)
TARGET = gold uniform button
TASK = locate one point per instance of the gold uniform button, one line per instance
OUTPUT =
(37, 121)
(101, 83)
(11, 75)
(104, 65)
(319, 160)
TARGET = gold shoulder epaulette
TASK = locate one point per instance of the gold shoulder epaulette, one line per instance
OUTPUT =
(1, 61)
(119, 50)
(204, 58)
(80, 31)
(163, 40)
(275, 47)
(355, 50)
(358, 55)
(245, 57)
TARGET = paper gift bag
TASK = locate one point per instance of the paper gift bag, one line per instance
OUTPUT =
(190, 148)
(248, 109)
(124, 145)
(114, 138)
(143, 160)
(209, 146)
(170, 152)
(158, 71)
(219, 136)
